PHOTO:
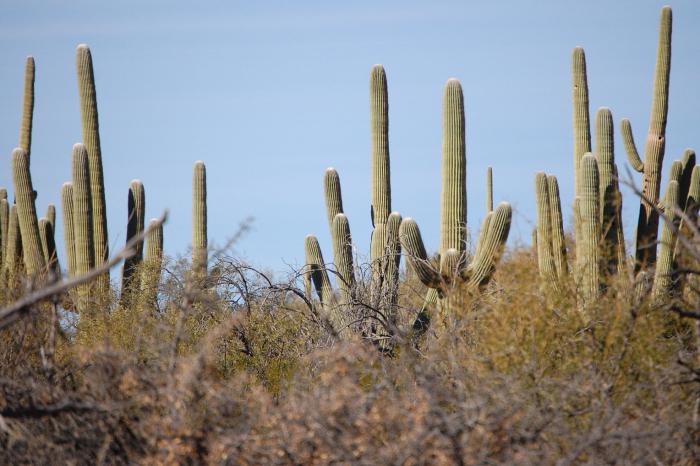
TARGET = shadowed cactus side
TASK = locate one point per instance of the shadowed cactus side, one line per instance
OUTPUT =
(453, 268)
(315, 268)
(199, 220)
(654, 148)
(51, 215)
(48, 246)
(590, 227)
(68, 226)
(91, 140)
(26, 212)
(4, 223)
(136, 202)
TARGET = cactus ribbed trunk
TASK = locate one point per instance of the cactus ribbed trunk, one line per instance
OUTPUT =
(48, 245)
(489, 189)
(545, 257)
(342, 256)
(481, 269)
(13, 253)
(51, 215)
(26, 213)
(68, 226)
(152, 263)
(557, 224)
(412, 243)
(136, 201)
(664, 278)
(199, 220)
(453, 211)
(316, 268)
(333, 195)
(654, 148)
(82, 212)
(25, 130)
(379, 124)
(91, 140)
(4, 223)
(590, 227)
(581, 125)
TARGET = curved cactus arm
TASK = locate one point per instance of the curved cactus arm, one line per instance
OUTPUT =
(316, 268)
(545, 257)
(630, 147)
(379, 124)
(557, 224)
(412, 244)
(91, 139)
(482, 233)
(664, 275)
(199, 220)
(489, 189)
(136, 202)
(26, 212)
(581, 116)
(333, 195)
(68, 226)
(453, 211)
(342, 256)
(25, 130)
(590, 227)
(481, 269)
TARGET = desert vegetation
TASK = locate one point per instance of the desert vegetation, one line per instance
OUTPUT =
(582, 348)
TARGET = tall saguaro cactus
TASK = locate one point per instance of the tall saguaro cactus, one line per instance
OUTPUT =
(26, 213)
(550, 242)
(199, 220)
(654, 148)
(25, 130)
(136, 201)
(453, 214)
(589, 261)
(82, 212)
(91, 140)
(152, 263)
(13, 253)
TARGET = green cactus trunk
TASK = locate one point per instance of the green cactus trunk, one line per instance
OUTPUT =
(91, 140)
(152, 264)
(342, 257)
(654, 148)
(136, 202)
(68, 226)
(82, 224)
(51, 215)
(13, 254)
(48, 246)
(590, 228)
(664, 277)
(26, 212)
(316, 269)
(199, 221)
(581, 124)
(4, 222)
(481, 269)
(333, 195)
(25, 130)
(545, 255)
(557, 224)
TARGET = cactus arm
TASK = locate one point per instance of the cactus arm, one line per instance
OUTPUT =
(453, 212)
(342, 256)
(545, 257)
(26, 212)
(630, 147)
(688, 165)
(13, 252)
(48, 245)
(590, 227)
(82, 211)
(663, 277)
(393, 260)
(581, 116)
(68, 226)
(91, 139)
(51, 215)
(489, 189)
(557, 224)
(482, 267)
(412, 244)
(152, 263)
(316, 268)
(136, 203)
(482, 233)
(25, 131)
(332, 194)
(4, 222)
(199, 220)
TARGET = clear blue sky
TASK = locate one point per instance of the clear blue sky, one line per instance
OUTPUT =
(270, 93)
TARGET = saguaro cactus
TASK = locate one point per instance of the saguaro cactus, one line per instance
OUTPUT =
(453, 215)
(342, 256)
(68, 226)
(48, 245)
(590, 227)
(654, 148)
(152, 263)
(136, 201)
(333, 194)
(82, 212)
(13, 254)
(91, 139)
(665, 268)
(549, 233)
(4, 221)
(25, 129)
(316, 269)
(51, 215)
(26, 213)
(199, 220)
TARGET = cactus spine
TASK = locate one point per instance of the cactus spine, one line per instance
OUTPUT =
(199, 220)
(654, 148)
(25, 130)
(26, 213)
(91, 139)
(68, 225)
(136, 202)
